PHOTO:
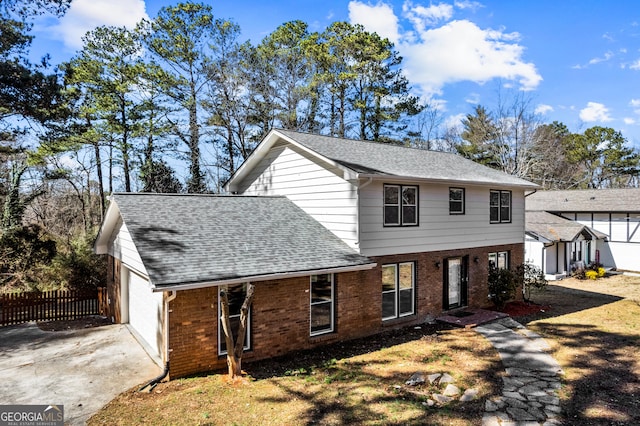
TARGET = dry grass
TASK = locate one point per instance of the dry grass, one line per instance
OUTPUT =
(360, 382)
(594, 330)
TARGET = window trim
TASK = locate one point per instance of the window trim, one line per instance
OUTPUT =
(247, 336)
(400, 205)
(397, 314)
(332, 327)
(462, 201)
(500, 192)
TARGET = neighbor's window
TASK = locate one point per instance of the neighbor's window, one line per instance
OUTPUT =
(400, 205)
(456, 200)
(398, 286)
(500, 206)
(499, 260)
(322, 304)
(235, 294)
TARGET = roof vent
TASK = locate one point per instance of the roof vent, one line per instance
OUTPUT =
(592, 198)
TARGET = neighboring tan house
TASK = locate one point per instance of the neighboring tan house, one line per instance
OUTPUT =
(568, 230)
(342, 239)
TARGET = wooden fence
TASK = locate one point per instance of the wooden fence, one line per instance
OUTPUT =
(17, 308)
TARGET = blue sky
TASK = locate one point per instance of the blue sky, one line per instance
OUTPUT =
(577, 61)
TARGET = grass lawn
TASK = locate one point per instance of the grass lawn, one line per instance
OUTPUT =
(360, 382)
(593, 328)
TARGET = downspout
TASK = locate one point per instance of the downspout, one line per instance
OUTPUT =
(153, 382)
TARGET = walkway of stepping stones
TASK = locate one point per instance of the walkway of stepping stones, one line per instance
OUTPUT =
(529, 392)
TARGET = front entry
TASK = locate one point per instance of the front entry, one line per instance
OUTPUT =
(455, 283)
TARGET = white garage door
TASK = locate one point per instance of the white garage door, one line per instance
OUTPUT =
(145, 314)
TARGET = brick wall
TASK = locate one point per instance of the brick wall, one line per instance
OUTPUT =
(280, 311)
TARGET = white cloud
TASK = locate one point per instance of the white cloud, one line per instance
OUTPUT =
(635, 65)
(462, 51)
(454, 121)
(473, 99)
(543, 109)
(634, 103)
(629, 120)
(606, 57)
(453, 52)
(379, 19)
(595, 111)
(421, 16)
(471, 5)
(86, 15)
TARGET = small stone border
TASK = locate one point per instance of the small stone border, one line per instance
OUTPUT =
(450, 392)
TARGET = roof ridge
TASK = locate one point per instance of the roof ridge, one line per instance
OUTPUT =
(180, 194)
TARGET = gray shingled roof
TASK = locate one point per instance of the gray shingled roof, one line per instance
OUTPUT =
(590, 200)
(371, 158)
(555, 228)
(203, 238)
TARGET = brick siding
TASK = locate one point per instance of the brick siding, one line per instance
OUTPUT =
(280, 311)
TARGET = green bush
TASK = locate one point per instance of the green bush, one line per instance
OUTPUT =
(502, 286)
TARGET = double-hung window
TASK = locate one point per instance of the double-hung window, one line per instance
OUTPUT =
(499, 260)
(235, 295)
(322, 304)
(398, 288)
(456, 200)
(400, 205)
(500, 206)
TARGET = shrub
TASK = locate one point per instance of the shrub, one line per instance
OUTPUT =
(502, 286)
(591, 274)
(601, 272)
(530, 277)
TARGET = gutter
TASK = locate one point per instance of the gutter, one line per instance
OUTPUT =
(258, 278)
(153, 382)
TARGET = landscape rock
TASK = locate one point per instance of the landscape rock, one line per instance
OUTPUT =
(446, 379)
(433, 377)
(441, 399)
(469, 395)
(451, 390)
(416, 379)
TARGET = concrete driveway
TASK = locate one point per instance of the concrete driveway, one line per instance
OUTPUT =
(80, 369)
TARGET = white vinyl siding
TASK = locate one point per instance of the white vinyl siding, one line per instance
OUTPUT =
(145, 313)
(437, 230)
(121, 247)
(318, 189)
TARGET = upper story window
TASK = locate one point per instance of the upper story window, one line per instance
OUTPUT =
(500, 206)
(456, 200)
(400, 205)
(322, 304)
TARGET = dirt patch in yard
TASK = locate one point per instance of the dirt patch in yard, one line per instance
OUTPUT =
(593, 328)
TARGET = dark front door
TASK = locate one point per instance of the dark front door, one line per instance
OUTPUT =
(455, 282)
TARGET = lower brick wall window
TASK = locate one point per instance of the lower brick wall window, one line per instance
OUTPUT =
(322, 304)
(398, 289)
(236, 295)
(499, 260)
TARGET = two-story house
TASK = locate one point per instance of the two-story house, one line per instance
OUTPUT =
(342, 238)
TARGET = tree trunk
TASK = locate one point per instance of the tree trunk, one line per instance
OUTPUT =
(235, 349)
